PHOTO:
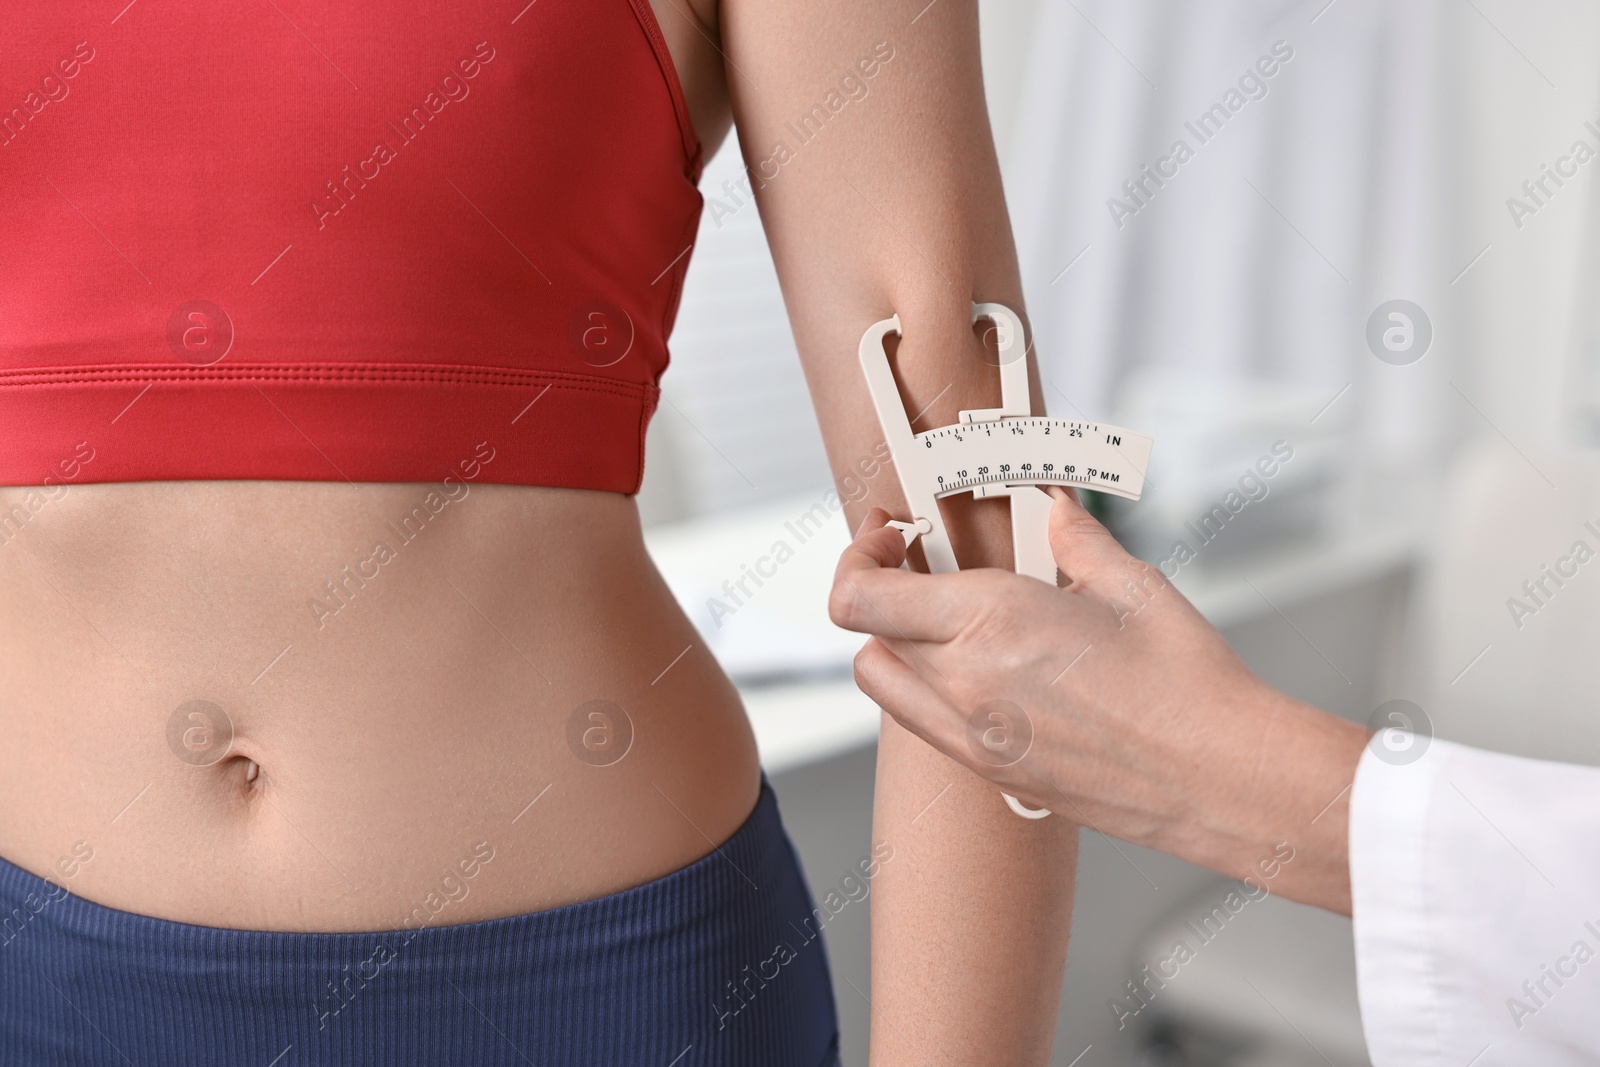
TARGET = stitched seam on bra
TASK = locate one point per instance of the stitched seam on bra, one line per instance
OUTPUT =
(693, 150)
(331, 373)
(647, 409)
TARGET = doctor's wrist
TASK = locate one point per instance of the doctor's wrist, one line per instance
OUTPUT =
(1270, 803)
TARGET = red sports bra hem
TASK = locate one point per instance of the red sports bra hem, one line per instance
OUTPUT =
(355, 422)
(353, 372)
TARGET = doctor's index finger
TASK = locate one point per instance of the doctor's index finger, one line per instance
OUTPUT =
(872, 595)
(876, 544)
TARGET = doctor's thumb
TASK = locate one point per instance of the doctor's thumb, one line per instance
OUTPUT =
(1082, 547)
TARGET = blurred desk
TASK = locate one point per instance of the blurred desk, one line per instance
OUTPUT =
(802, 723)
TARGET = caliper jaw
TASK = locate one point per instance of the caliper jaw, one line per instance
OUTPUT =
(1030, 507)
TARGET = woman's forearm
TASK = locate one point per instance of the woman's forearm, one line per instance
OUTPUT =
(969, 921)
(895, 207)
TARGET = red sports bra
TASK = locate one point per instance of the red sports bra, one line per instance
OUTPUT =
(358, 241)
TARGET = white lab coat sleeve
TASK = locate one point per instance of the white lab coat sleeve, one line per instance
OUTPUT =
(1475, 888)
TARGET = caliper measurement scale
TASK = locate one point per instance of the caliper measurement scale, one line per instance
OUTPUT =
(1010, 449)
(1004, 451)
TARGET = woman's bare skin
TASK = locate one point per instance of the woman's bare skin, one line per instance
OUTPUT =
(390, 736)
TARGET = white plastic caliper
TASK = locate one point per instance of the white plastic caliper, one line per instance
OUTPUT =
(1003, 451)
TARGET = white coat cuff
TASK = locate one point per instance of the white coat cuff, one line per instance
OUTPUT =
(1390, 896)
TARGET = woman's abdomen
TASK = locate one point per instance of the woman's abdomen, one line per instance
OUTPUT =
(324, 706)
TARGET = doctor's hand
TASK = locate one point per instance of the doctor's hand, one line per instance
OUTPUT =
(1112, 702)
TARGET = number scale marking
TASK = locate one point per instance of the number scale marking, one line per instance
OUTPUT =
(1035, 451)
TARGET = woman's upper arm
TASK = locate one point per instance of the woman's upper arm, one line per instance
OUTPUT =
(867, 145)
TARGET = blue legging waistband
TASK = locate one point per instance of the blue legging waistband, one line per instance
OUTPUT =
(719, 963)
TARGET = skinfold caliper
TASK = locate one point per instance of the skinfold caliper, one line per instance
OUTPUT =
(1004, 451)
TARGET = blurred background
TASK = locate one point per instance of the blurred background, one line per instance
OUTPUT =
(1361, 258)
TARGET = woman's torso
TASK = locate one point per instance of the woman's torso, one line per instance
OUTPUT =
(317, 704)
